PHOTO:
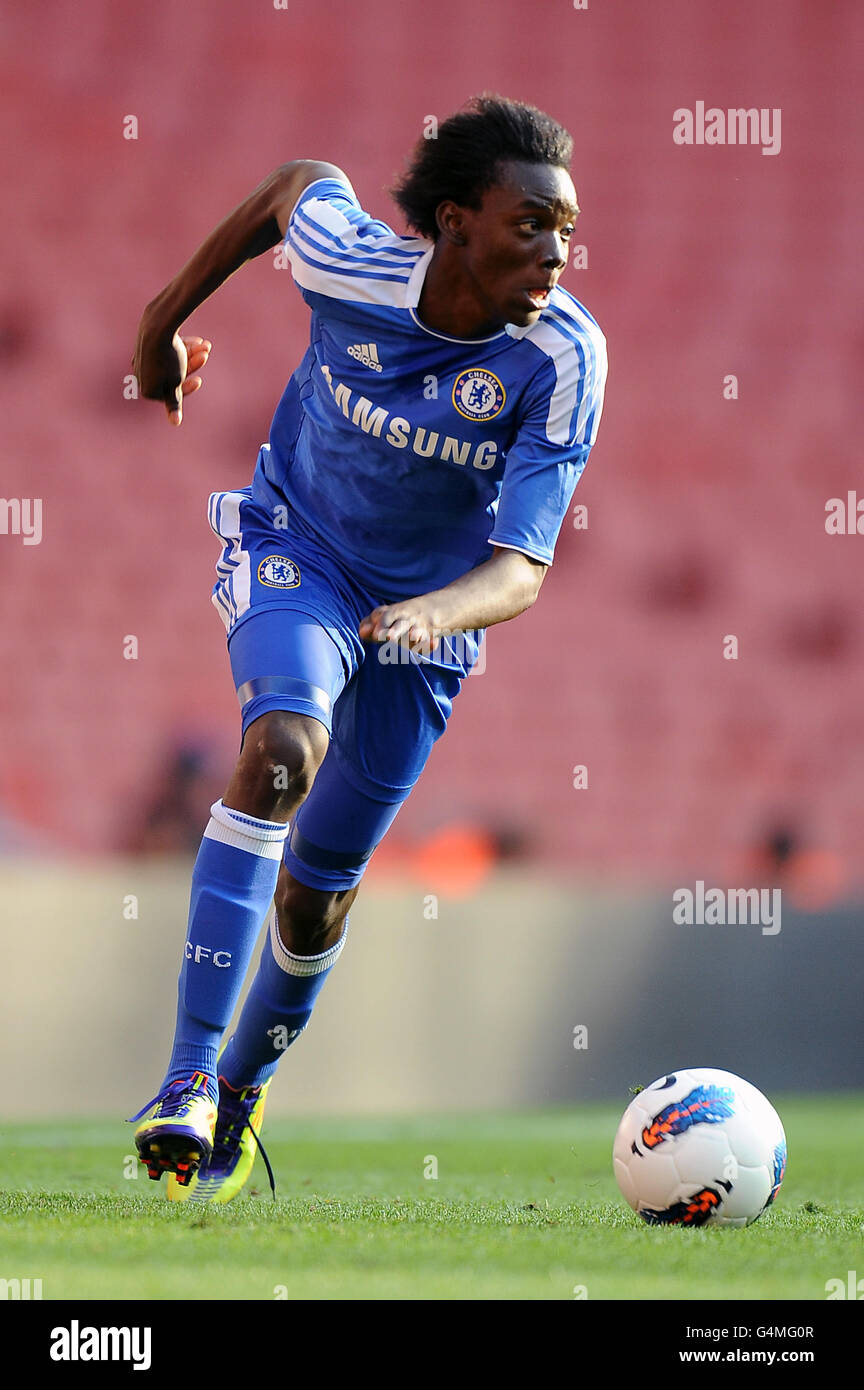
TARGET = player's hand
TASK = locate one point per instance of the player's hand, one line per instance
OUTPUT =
(413, 624)
(166, 369)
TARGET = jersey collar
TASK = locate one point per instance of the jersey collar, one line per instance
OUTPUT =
(414, 289)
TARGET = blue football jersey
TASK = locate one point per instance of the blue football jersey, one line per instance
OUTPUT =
(408, 452)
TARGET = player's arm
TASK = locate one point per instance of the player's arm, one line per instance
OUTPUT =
(499, 589)
(162, 358)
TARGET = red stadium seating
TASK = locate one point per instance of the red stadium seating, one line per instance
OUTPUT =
(706, 515)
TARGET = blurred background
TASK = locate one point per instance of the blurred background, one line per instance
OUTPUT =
(514, 942)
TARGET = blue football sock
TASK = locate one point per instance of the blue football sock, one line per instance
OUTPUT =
(232, 884)
(276, 1011)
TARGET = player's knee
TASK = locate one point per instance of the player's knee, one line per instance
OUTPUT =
(284, 750)
(307, 917)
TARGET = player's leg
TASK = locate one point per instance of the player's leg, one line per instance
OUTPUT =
(335, 834)
(305, 937)
(232, 885)
(385, 724)
(288, 670)
(278, 1007)
(384, 727)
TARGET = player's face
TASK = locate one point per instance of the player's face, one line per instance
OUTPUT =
(516, 244)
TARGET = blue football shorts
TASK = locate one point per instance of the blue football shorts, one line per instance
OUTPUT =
(291, 610)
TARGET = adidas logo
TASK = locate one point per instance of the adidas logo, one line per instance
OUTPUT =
(367, 353)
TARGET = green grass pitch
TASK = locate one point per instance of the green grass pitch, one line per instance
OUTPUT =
(524, 1207)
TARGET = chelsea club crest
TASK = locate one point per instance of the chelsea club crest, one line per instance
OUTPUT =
(478, 394)
(278, 572)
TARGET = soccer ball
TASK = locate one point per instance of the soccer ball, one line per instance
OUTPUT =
(700, 1148)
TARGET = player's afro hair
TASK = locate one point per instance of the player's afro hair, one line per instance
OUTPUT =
(462, 162)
